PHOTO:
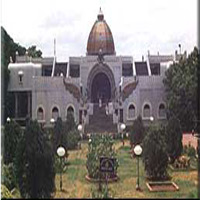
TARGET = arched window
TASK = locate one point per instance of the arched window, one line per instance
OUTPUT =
(131, 111)
(55, 113)
(40, 114)
(70, 109)
(162, 111)
(146, 111)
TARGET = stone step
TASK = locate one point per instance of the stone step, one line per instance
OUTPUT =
(99, 122)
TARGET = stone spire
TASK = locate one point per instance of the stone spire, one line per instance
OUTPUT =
(100, 15)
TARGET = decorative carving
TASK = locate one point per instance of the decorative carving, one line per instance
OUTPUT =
(100, 58)
(128, 89)
(73, 89)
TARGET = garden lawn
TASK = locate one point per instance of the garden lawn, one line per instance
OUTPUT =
(76, 186)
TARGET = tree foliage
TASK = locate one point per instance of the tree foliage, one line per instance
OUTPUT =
(173, 138)
(137, 131)
(181, 88)
(33, 52)
(12, 135)
(155, 154)
(72, 135)
(34, 163)
(58, 134)
(8, 49)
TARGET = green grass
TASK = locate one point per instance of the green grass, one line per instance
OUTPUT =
(76, 186)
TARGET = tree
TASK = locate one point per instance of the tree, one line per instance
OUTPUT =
(12, 135)
(34, 163)
(137, 131)
(155, 154)
(72, 135)
(180, 84)
(70, 123)
(174, 138)
(8, 49)
(58, 136)
(33, 52)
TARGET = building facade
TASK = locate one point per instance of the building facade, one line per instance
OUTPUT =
(101, 89)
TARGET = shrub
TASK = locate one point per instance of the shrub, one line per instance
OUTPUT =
(173, 139)
(189, 151)
(100, 145)
(8, 176)
(12, 135)
(5, 193)
(73, 137)
(61, 165)
(137, 131)
(59, 137)
(155, 155)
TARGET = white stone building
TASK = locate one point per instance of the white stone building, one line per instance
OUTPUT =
(44, 89)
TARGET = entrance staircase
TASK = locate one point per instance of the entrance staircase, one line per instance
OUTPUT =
(99, 122)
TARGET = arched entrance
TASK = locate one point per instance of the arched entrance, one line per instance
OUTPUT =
(101, 88)
(101, 84)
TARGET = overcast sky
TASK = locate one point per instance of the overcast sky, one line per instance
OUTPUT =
(137, 25)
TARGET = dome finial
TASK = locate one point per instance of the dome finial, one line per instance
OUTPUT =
(100, 15)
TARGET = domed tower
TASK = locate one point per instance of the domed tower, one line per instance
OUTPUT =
(100, 38)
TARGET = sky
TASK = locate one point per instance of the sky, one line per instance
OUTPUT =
(138, 26)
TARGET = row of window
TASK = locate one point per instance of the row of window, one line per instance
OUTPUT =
(54, 113)
(146, 111)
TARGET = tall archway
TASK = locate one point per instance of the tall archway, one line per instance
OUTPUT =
(100, 88)
(101, 83)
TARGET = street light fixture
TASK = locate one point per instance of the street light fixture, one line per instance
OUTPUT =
(80, 127)
(123, 126)
(52, 120)
(151, 118)
(138, 152)
(8, 119)
(61, 153)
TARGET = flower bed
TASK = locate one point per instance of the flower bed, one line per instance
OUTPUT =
(100, 146)
(162, 186)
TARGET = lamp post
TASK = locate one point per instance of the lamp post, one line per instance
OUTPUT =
(61, 153)
(138, 151)
(122, 127)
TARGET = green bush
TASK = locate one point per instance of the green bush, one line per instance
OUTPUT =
(12, 135)
(173, 138)
(137, 131)
(61, 165)
(73, 137)
(104, 194)
(155, 154)
(8, 176)
(100, 145)
(189, 151)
